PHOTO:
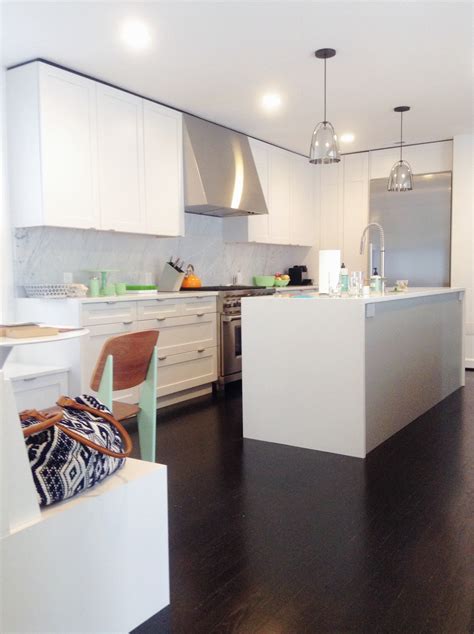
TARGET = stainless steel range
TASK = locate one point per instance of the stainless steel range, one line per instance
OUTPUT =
(229, 320)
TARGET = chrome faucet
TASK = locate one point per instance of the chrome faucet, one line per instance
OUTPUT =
(382, 247)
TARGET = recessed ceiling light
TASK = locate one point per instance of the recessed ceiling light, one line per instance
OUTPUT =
(271, 101)
(135, 34)
(348, 137)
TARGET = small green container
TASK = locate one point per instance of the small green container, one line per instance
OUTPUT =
(264, 280)
(141, 287)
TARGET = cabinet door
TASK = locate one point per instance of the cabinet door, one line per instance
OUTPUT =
(258, 226)
(302, 210)
(163, 140)
(356, 208)
(331, 206)
(183, 334)
(68, 149)
(177, 372)
(279, 195)
(121, 174)
(40, 392)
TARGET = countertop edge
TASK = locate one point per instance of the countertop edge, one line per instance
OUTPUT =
(413, 294)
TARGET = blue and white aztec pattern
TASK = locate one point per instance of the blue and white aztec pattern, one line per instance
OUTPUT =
(63, 467)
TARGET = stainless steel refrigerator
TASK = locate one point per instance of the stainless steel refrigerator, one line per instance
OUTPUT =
(417, 227)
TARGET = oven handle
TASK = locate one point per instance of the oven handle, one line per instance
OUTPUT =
(227, 319)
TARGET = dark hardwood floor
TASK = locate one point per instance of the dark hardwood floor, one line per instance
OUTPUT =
(266, 538)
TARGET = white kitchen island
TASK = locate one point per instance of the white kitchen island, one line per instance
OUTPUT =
(344, 374)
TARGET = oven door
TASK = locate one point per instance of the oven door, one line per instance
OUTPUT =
(231, 345)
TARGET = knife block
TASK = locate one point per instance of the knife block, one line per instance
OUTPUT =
(170, 280)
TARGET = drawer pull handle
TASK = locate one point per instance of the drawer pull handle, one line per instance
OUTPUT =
(160, 318)
(127, 323)
(110, 302)
(31, 378)
(162, 358)
(201, 349)
(200, 314)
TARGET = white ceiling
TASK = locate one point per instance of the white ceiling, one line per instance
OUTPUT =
(216, 59)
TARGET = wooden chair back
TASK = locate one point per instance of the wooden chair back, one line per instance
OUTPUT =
(131, 353)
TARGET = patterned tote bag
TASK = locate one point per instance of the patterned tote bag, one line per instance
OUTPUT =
(75, 449)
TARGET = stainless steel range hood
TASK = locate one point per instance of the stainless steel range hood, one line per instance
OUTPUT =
(220, 177)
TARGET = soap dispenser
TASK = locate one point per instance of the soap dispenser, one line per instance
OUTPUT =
(344, 279)
(375, 282)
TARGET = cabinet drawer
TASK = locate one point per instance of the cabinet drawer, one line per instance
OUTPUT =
(109, 312)
(198, 305)
(40, 392)
(183, 334)
(155, 308)
(91, 345)
(187, 370)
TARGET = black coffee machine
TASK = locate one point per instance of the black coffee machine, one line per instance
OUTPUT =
(299, 275)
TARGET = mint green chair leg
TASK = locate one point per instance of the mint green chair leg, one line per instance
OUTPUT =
(147, 414)
(105, 392)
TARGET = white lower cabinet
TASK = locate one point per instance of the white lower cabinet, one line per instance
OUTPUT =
(187, 343)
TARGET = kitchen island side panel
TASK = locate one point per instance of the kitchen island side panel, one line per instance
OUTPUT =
(303, 374)
(414, 352)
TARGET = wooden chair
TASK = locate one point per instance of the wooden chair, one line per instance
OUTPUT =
(126, 361)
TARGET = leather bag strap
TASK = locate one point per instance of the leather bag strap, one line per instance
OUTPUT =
(64, 401)
(45, 421)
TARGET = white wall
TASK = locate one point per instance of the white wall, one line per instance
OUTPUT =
(6, 275)
(462, 258)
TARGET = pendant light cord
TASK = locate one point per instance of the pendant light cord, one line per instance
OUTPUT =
(401, 135)
(324, 90)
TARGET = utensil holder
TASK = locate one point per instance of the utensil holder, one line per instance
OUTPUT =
(170, 280)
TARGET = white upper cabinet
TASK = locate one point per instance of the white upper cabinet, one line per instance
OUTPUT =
(258, 226)
(331, 204)
(78, 156)
(356, 208)
(423, 158)
(163, 138)
(302, 202)
(279, 195)
(288, 183)
(121, 160)
(52, 147)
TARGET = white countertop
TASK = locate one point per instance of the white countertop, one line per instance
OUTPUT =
(134, 297)
(388, 296)
(130, 297)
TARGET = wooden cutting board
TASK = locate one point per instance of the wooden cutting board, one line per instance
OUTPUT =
(28, 332)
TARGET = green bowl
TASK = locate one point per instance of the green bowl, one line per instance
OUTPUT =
(281, 282)
(264, 280)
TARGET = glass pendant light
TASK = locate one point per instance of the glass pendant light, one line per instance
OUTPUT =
(400, 179)
(324, 147)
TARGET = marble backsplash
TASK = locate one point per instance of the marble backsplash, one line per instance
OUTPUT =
(44, 254)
